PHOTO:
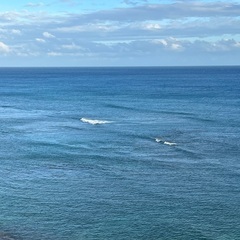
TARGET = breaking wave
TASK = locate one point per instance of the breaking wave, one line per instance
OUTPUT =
(94, 121)
(158, 140)
(169, 143)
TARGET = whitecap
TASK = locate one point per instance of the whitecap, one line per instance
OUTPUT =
(94, 121)
(159, 140)
(169, 143)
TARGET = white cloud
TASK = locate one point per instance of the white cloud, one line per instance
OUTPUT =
(176, 46)
(237, 44)
(72, 47)
(54, 54)
(9, 16)
(160, 41)
(4, 48)
(16, 32)
(40, 40)
(170, 43)
(48, 35)
(224, 45)
(151, 26)
(91, 27)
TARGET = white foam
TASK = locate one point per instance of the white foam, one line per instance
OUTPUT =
(169, 143)
(94, 121)
(158, 140)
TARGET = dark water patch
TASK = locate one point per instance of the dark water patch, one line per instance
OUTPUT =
(200, 119)
(114, 106)
(136, 107)
(145, 109)
(188, 116)
(176, 113)
(73, 128)
(7, 236)
(7, 106)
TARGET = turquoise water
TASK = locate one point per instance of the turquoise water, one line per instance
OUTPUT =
(120, 153)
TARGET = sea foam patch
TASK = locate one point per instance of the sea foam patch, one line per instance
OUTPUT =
(158, 140)
(94, 121)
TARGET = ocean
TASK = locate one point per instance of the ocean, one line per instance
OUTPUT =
(138, 153)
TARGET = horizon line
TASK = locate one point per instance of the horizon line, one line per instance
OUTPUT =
(143, 66)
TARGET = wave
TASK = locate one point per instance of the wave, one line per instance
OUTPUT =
(94, 121)
(120, 107)
(169, 143)
(181, 149)
(158, 140)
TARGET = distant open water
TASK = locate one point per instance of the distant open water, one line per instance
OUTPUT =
(120, 153)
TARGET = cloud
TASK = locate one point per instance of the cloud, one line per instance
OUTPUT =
(180, 19)
(178, 10)
(40, 40)
(71, 46)
(91, 27)
(138, 30)
(131, 2)
(151, 26)
(48, 35)
(4, 48)
(16, 32)
(168, 46)
(54, 54)
(137, 49)
(224, 45)
(8, 17)
(33, 5)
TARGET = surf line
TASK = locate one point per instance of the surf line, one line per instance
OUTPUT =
(94, 121)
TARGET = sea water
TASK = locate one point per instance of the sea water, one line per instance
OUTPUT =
(120, 153)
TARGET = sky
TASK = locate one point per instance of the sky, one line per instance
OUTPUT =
(119, 33)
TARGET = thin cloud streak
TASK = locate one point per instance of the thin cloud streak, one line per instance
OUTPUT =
(160, 12)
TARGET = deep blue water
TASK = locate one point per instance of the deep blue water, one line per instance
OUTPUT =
(164, 162)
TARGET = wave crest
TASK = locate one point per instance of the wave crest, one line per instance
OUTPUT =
(94, 121)
(169, 143)
(158, 140)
